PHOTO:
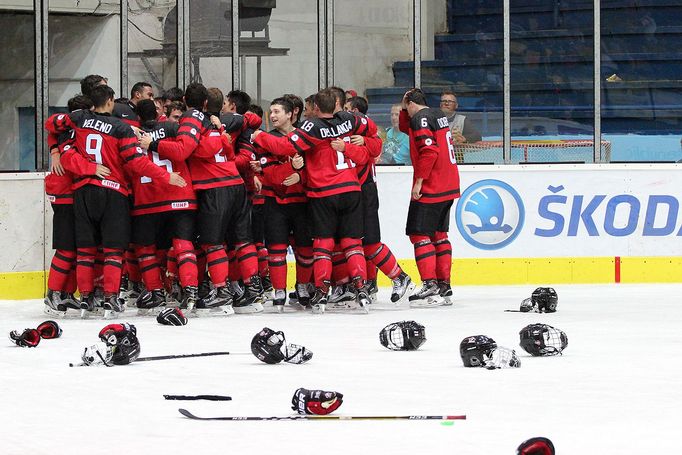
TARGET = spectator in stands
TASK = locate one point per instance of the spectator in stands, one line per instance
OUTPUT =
(396, 148)
(461, 127)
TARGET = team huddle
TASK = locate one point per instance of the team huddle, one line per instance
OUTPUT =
(196, 207)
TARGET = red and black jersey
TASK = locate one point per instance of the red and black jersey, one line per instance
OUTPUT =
(58, 187)
(209, 155)
(275, 170)
(106, 140)
(240, 128)
(126, 112)
(367, 172)
(329, 172)
(432, 154)
(152, 196)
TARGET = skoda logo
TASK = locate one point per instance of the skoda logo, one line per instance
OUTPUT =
(490, 214)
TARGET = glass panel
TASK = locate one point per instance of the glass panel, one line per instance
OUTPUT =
(641, 77)
(552, 92)
(278, 44)
(84, 40)
(462, 55)
(17, 82)
(152, 44)
(210, 35)
(373, 55)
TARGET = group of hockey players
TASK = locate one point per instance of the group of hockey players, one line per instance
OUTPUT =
(183, 201)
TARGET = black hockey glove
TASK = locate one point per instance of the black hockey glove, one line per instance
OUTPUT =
(49, 330)
(316, 402)
(29, 338)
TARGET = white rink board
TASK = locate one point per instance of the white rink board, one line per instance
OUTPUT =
(560, 211)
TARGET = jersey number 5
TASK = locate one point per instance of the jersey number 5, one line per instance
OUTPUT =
(159, 162)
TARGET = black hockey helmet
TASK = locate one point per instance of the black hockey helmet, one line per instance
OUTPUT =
(403, 336)
(123, 339)
(542, 340)
(476, 350)
(545, 300)
(268, 346)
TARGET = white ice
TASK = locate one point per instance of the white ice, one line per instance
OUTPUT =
(616, 389)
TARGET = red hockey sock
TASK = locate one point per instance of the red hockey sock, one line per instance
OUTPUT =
(149, 266)
(304, 264)
(339, 266)
(443, 256)
(85, 269)
(218, 264)
(355, 257)
(248, 260)
(277, 260)
(187, 262)
(72, 284)
(61, 268)
(262, 260)
(113, 267)
(172, 263)
(371, 270)
(322, 262)
(132, 265)
(425, 255)
(381, 256)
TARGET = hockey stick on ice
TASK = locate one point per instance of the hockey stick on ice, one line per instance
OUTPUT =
(198, 397)
(189, 415)
(165, 357)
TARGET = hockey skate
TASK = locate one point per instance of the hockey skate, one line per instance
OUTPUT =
(300, 298)
(445, 291)
(189, 299)
(403, 287)
(268, 290)
(363, 299)
(318, 303)
(151, 302)
(372, 290)
(54, 306)
(428, 296)
(90, 306)
(218, 301)
(280, 298)
(131, 293)
(253, 297)
(113, 306)
(342, 297)
(174, 296)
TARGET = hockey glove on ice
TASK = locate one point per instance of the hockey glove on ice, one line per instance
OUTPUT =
(171, 316)
(49, 330)
(316, 402)
(29, 338)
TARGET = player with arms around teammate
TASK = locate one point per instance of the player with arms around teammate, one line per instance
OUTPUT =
(101, 204)
(333, 190)
(435, 186)
(162, 215)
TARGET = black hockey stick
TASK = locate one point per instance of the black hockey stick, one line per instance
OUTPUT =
(164, 357)
(189, 415)
(198, 397)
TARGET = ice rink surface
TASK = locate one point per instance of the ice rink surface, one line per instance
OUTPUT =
(616, 389)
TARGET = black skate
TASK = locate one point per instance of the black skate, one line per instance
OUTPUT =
(445, 291)
(427, 296)
(54, 305)
(190, 296)
(219, 300)
(279, 300)
(113, 306)
(318, 302)
(253, 297)
(149, 300)
(402, 288)
(372, 290)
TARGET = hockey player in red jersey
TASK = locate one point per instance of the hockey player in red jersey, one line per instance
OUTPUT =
(435, 187)
(377, 253)
(333, 190)
(61, 282)
(286, 209)
(162, 215)
(101, 204)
